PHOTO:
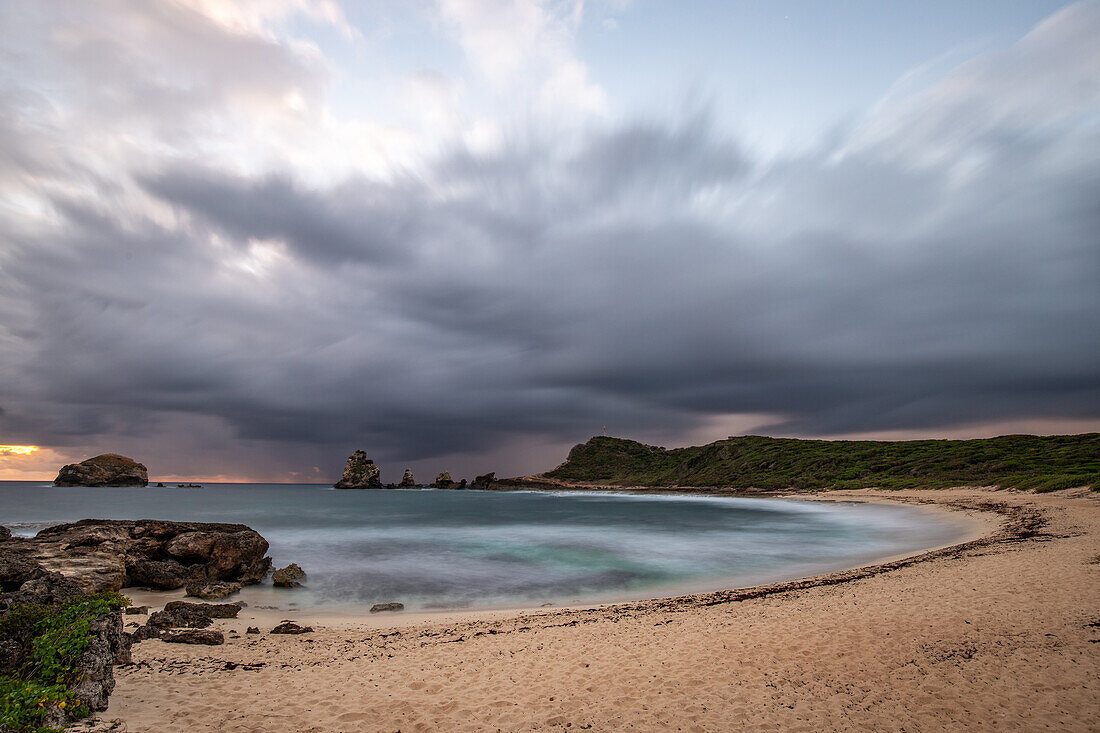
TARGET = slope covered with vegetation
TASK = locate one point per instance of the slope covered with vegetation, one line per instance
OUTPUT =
(1042, 463)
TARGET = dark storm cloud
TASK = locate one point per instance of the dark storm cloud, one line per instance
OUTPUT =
(916, 272)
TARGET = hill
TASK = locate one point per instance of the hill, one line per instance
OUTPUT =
(1042, 463)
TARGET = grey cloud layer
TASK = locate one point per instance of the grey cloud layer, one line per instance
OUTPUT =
(643, 275)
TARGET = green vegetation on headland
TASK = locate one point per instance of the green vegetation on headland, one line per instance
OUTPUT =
(1040, 463)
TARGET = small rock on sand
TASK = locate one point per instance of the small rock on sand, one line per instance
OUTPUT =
(210, 637)
(379, 607)
(289, 627)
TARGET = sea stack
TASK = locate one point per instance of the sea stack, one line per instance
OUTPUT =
(443, 481)
(108, 469)
(359, 473)
(484, 482)
(407, 481)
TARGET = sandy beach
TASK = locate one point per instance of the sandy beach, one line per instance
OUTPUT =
(998, 633)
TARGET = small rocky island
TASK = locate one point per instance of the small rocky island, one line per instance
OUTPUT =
(108, 469)
(359, 473)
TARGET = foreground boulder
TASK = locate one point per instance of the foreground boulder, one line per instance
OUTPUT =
(108, 469)
(109, 554)
(359, 473)
(289, 577)
(289, 627)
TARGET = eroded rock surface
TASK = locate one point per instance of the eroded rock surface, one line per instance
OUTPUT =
(407, 481)
(443, 481)
(289, 577)
(109, 554)
(484, 482)
(359, 473)
(108, 469)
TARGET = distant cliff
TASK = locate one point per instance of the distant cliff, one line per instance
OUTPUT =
(1043, 463)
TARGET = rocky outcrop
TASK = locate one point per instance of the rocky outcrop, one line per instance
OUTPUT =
(107, 647)
(211, 590)
(381, 607)
(109, 469)
(407, 481)
(443, 481)
(289, 627)
(185, 615)
(27, 583)
(484, 482)
(289, 577)
(359, 473)
(109, 554)
(5, 533)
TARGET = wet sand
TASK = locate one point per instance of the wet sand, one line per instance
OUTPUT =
(1000, 632)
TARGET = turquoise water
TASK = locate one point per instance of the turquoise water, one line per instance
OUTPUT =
(458, 549)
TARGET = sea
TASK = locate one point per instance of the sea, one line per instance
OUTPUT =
(448, 550)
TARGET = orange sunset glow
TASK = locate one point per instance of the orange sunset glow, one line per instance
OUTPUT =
(17, 450)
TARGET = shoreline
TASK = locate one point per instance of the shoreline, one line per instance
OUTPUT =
(972, 524)
(997, 632)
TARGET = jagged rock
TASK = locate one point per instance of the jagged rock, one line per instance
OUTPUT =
(135, 610)
(211, 590)
(109, 554)
(407, 481)
(359, 473)
(182, 614)
(484, 482)
(107, 647)
(210, 637)
(5, 533)
(380, 607)
(93, 680)
(443, 481)
(252, 630)
(289, 577)
(108, 469)
(15, 569)
(289, 627)
(461, 484)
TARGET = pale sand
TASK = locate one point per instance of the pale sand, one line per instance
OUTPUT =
(1000, 633)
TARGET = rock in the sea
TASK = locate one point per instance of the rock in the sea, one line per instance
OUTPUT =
(380, 607)
(108, 554)
(289, 627)
(211, 590)
(484, 482)
(443, 481)
(407, 481)
(109, 469)
(359, 473)
(289, 577)
(210, 637)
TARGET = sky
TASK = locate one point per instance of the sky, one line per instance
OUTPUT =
(239, 240)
